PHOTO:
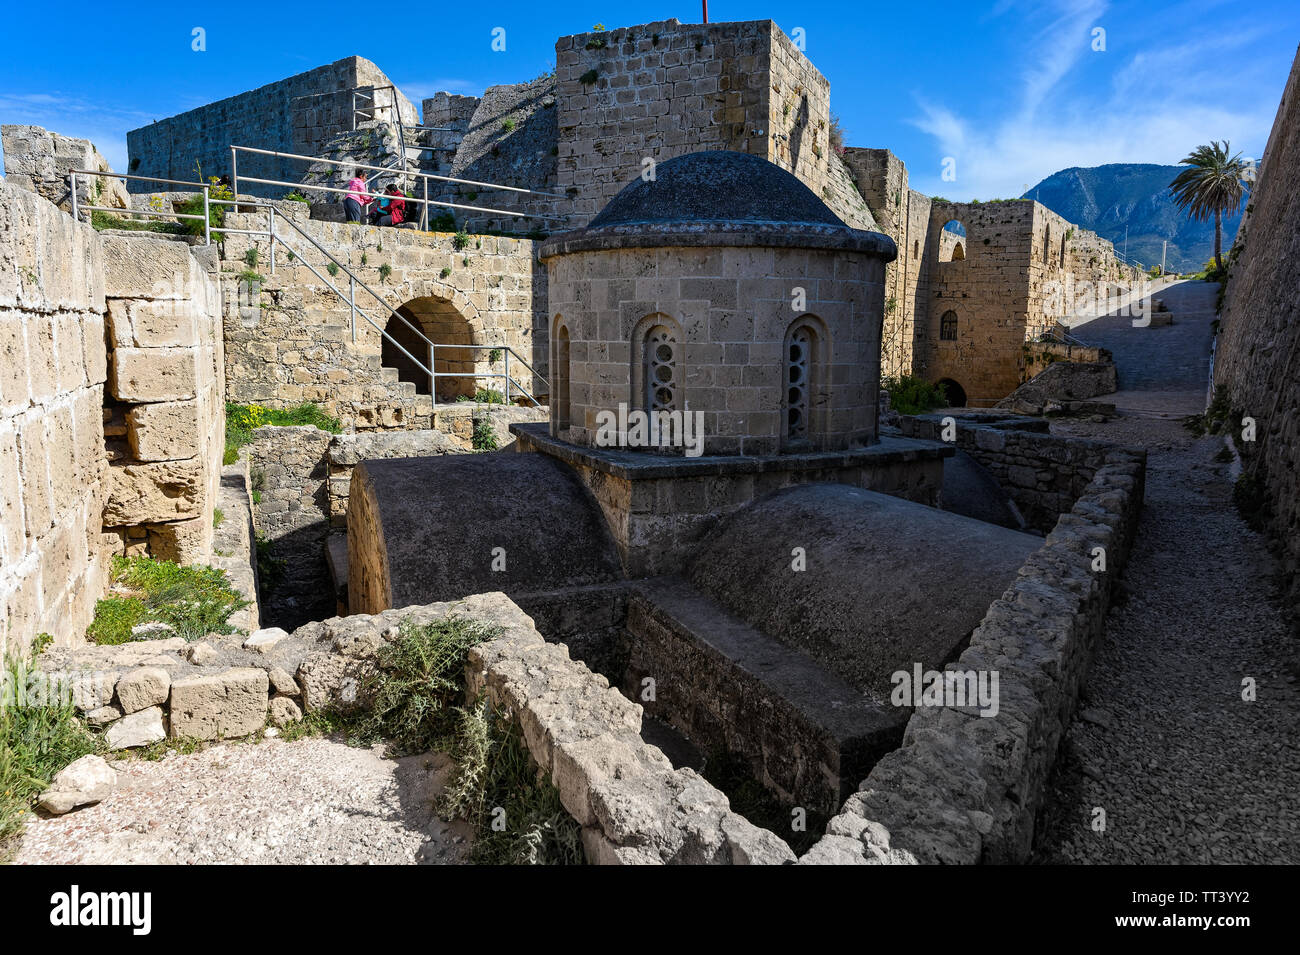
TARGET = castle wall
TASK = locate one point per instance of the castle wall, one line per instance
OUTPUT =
(52, 373)
(667, 88)
(164, 409)
(269, 117)
(989, 289)
(1257, 365)
(903, 215)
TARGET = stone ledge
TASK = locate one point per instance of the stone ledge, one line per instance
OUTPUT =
(637, 465)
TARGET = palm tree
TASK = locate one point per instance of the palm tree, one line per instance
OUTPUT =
(1210, 187)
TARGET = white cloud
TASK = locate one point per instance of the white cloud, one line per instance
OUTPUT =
(73, 116)
(1160, 103)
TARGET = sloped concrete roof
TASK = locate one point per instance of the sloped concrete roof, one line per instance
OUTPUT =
(888, 583)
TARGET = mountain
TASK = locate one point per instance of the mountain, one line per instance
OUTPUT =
(1107, 198)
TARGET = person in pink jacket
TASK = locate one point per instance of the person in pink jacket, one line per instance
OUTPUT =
(356, 199)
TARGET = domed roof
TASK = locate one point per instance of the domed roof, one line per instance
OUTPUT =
(718, 197)
(717, 186)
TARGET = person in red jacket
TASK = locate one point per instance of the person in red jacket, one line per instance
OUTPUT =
(390, 210)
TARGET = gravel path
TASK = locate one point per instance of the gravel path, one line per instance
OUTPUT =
(1185, 770)
(309, 801)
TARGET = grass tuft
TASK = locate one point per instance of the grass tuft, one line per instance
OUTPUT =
(243, 420)
(516, 813)
(36, 741)
(192, 601)
(910, 395)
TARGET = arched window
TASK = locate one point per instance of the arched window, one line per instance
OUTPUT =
(952, 241)
(659, 369)
(948, 327)
(805, 359)
(560, 377)
(798, 372)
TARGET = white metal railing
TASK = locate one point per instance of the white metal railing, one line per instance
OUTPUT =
(425, 178)
(156, 213)
(351, 299)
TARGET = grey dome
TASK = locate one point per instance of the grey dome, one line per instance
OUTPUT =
(718, 198)
(717, 186)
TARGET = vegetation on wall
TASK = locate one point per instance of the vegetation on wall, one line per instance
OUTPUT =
(243, 420)
(911, 395)
(191, 601)
(415, 702)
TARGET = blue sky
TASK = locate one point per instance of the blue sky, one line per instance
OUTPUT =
(1012, 91)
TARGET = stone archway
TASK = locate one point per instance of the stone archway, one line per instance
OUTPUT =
(460, 354)
(955, 392)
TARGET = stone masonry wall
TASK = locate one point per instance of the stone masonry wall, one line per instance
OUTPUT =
(965, 788)
(52, 373)
(164, 411)
(288, 472)
(1256, 363)
(1045, 474)
(269, 117)
(633, 806)
(291, 339)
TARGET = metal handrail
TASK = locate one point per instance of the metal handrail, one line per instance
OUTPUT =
(357, 165)
(206, 187)
(433, 374)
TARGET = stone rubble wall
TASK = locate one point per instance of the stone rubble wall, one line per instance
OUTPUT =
(40, 161)
(965, 788)
(1257, 361)
(288, 474)
(1045, 474)
(52, 468)
(285, 116)
(1060, 383)
(164, 411)
(523, 155)
(634, 808)
(290, 339)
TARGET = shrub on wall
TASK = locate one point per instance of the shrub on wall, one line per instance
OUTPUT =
(910, 395)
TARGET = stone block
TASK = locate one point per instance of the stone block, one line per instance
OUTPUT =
(153, 493)
(137, 729)
(222, 706)
(81, 783)
(145, 687)
(182, 542)
(164, 323)
(152, 374)
(166, 431)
